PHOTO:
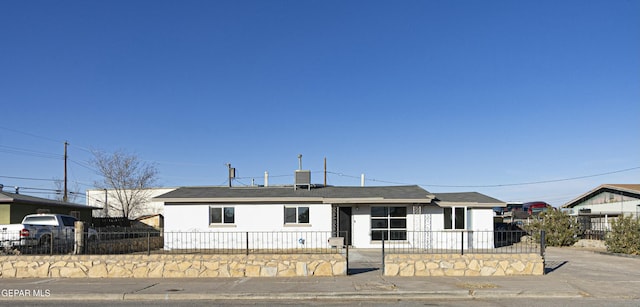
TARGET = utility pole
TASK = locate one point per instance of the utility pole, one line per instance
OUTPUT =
(232, 173)
(325, 171)
(64, 197)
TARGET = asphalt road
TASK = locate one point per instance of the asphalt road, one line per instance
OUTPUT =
(575, 278)
(507, 302)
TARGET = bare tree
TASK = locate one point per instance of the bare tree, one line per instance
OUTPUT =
(127, 178)
(73, 195)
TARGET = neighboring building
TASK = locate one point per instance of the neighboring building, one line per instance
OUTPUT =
(363, 215)
(97, 198)
(13, 207)
(607, 199)
(156, 220)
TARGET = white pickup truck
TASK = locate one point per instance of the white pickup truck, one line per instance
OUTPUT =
(40, 230)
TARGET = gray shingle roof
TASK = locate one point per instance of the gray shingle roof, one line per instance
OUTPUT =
(386, 192)
(6, 197)
(467, 197)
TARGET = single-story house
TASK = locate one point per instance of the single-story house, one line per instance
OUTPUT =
(607, 199)
(13, 207)
(362, 215)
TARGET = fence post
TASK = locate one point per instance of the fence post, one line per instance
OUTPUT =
(247, 241)
(347, 257)
(51, 245)
(78, 230)
(383, 237)
(462, 242)
(148, 243)
(542, 242)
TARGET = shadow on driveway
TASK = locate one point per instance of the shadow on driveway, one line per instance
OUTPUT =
(550, 266)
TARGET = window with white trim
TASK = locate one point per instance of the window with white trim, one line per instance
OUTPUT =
(296, 215)
(222, 215)
(454, 217)
(389, 223)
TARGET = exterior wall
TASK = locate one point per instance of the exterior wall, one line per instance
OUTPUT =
(96, 198)
(253, 217)
(437, 217)
(463, 265)
(264, 221)
(14, 213)
(361, 224)
(270, 218)
(431, 218)
(172, 266)
(5, 214)
(480, 219)
(627, 207)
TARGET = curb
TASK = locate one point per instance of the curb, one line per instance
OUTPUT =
(327, 296)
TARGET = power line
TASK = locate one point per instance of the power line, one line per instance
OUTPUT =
(25, 178)
(31, 135)
(28, 152)
(493, 185)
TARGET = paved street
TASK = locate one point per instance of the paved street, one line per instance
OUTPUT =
(573, 276)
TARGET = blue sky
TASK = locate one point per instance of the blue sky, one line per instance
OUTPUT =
(450, 95)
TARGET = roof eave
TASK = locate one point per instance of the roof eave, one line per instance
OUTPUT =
(469, 204)
(592, 192)
(239, 199)
(376, 200)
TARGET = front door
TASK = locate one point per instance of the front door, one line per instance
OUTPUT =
(344, 224)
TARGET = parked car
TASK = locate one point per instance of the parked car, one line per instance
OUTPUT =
(536, 207)
(41, 230)
(513, 210)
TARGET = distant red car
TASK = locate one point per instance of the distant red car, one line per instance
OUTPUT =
(534, 208)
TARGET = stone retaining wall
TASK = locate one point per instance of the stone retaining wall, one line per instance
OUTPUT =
(463, 265)
(168, 266)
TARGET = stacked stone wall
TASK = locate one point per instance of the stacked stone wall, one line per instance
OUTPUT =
(172, 266)
(463, 265)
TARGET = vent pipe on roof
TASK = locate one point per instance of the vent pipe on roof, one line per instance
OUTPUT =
(299, 162)
(17, 190)
(266, 178)
(362, 180)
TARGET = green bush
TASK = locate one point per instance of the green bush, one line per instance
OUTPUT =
(560, 229)
(624, 236)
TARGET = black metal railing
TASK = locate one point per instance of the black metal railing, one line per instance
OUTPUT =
(465, 242)
(594, 227)
(292, 242)
(172, 242)
(253, 242)
(56, 241)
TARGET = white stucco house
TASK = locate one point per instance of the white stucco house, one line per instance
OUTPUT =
(362, 215)
(607, 200)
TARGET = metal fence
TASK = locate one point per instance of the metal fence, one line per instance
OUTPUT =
(466, 242)
(250, 242)
(594, 227)
(55, 242)
(295, 242)
(133, 241)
